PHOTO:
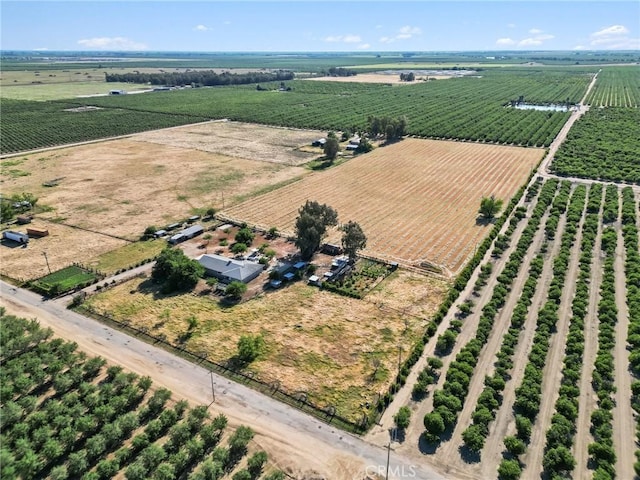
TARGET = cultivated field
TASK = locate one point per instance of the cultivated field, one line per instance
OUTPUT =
(538, 380)
(316, 342)
(118, 188)
(417, 200)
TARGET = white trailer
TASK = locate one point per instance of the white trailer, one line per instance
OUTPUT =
(15, 236)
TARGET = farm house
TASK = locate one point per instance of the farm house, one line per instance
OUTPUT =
(228, 269)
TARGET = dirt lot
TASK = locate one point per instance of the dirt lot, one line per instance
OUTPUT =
(120, 187)
(316, 341)
(63, 246)
(416, 200)
(285, 146)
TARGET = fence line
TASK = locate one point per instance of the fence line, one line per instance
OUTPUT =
(298, 400)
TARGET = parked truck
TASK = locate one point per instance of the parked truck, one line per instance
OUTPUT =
(15, 236)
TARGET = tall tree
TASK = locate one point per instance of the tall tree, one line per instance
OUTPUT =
(176, 270)
(311, 226)
(331, 146)
(353, 239)
(489, 207)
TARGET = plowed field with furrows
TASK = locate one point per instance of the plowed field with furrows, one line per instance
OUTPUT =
(416, 200)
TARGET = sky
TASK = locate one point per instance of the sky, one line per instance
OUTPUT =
(320, 26)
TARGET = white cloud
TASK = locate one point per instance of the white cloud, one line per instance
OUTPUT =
(404, 33)
(511, 25)
(535, 31)
(505, 41)
(201, 28)
(364, 46)
(343, 38)
(529, 42)
(614, 37)
(408, 30)
(536, 40)
(111, 43)
(41, 49)
(579, 47)
(378, 27)
(613, 30)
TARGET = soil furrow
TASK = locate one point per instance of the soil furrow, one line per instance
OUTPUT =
(623, 420)
(485, 365)
(587, 401)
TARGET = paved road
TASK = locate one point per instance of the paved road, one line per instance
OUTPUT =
(307, 437)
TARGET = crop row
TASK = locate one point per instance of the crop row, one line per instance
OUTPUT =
(602, 451)
(30, 125)
(602, 145)
(559, 436)
(529, 393)
(632, 272)
(616, 87)
(64, 415)
(462, 108)
(448, 401)
(490, 398)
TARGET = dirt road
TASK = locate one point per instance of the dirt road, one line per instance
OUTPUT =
(307, 447)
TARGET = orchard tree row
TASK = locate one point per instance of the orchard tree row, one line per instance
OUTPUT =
(64, 415)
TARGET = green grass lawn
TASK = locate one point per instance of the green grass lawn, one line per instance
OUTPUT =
(64, 280)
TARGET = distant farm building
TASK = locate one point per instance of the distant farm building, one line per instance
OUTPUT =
(186, 234)
(319, 142)
(117, 92)
(229, 269)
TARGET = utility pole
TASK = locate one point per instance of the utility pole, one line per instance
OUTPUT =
(213, 391)
(386, 476)
(46, 260)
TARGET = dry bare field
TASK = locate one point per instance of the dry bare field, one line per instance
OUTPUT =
(120, 187)
(316, 341)
(244, 140)
(416, 200)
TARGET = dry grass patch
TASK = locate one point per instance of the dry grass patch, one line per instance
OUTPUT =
(120, 187)
(417, 200)
(285, 146)
(316, 341)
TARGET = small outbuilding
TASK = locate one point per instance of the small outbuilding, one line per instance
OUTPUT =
(319, 142)
(159, 233)
(289, 276)
(35, 232)
(314, 280)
